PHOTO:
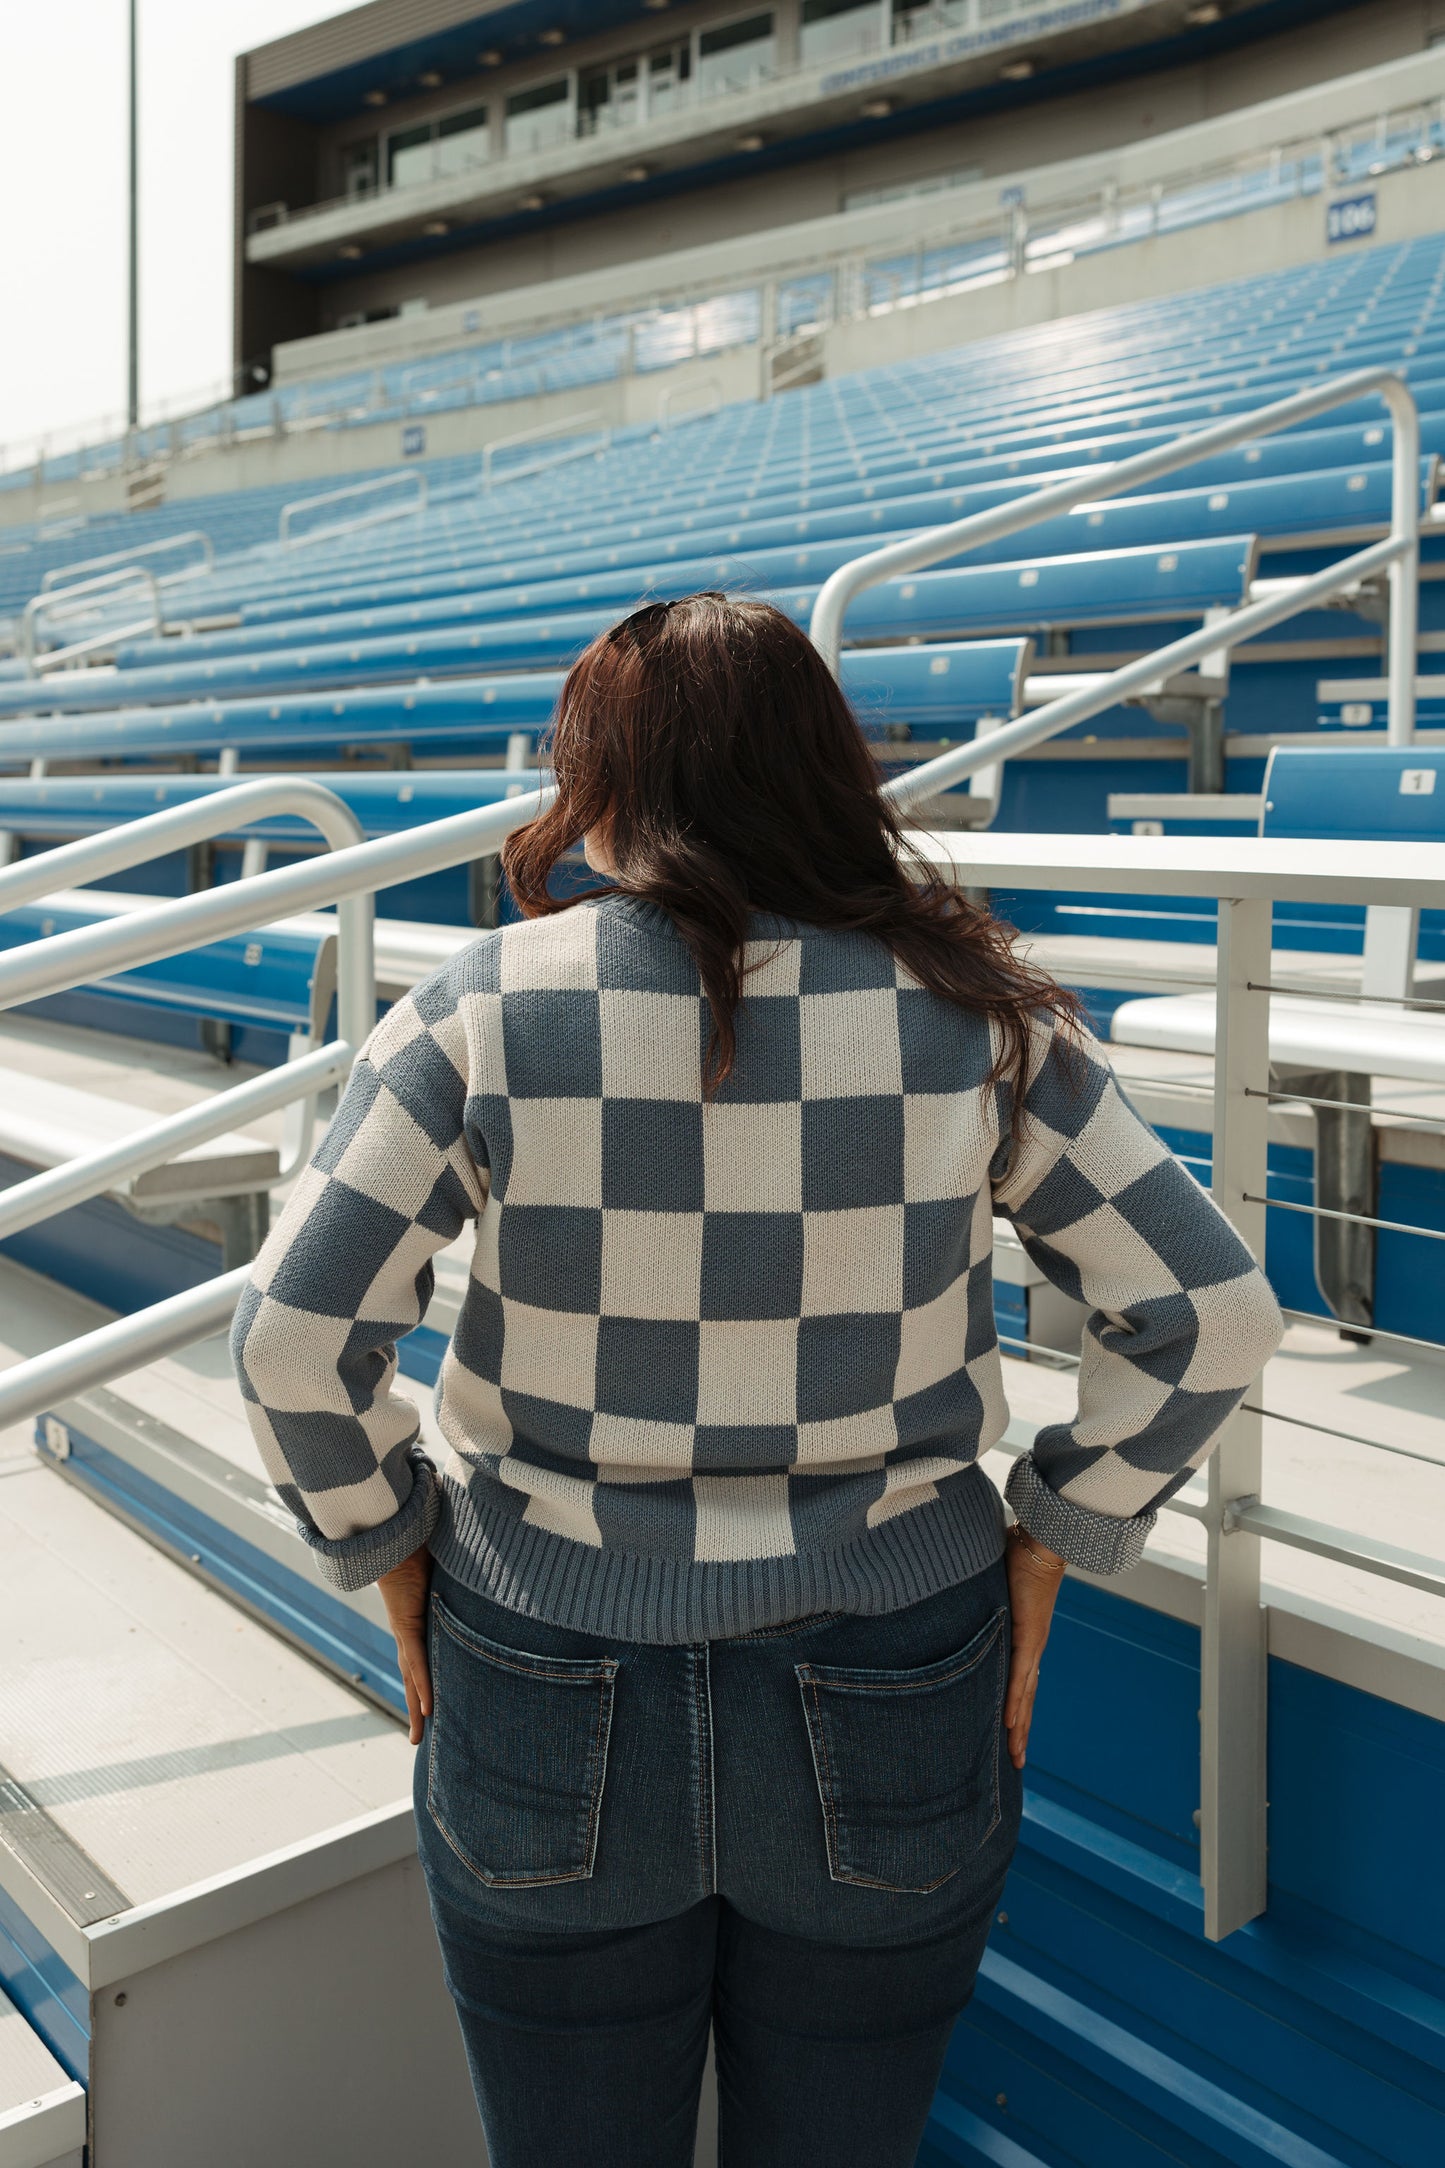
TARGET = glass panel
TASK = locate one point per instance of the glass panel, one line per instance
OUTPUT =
(540, 116)
(463, 140)
(914, 19)
(735, 56)
(358, 169)
(608, 98)
(460, 151)
(409, 157)
(667, 73)
(840, 29)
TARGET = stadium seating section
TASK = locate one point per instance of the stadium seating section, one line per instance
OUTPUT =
(411, 653)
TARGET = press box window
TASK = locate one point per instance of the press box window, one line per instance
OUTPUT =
(735, 55)
(540, 116)
(609, 97)
(669, 72)
(841, 29)
(436, 148)
(358, 169)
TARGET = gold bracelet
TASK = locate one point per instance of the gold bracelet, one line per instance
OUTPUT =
(1045, 1565)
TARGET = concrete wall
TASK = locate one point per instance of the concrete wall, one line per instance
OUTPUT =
(1409, 204)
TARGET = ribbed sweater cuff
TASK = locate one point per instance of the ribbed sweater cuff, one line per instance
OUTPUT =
(1095, 1542)
(353, 1562)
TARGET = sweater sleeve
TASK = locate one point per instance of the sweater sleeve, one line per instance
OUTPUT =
(346, 1271)
(1182, 1317)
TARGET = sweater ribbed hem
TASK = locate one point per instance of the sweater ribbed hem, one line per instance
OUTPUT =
(631, 1598)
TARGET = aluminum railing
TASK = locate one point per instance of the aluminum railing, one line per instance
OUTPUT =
(1399, 552)
(591, 441)
(97, 858)
(125, 558)
(404, 508)
(1244, 877)
(87, 598)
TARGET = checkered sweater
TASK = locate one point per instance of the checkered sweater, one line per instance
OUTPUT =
(723, 1365)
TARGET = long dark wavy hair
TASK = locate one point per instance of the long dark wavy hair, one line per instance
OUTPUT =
(708, 743)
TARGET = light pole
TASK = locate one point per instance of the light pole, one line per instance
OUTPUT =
(132, 405)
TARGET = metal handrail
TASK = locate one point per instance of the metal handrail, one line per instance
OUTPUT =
(412, 475)
(568, 425)
(66, 602)
(146, 549)
(94, 858)
(958, 536)
(80, 1179)
(111, 1350)
(989, 749)
(347, 875)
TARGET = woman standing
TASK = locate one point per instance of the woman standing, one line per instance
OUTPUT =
(721, 1660)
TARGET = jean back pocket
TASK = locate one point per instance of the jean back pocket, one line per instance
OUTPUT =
(517, 1755)
(907, 1762)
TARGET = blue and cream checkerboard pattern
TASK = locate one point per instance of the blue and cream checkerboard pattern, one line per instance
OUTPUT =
(722, 1363)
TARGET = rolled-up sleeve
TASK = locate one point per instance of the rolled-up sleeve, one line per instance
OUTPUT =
(1181, 1319)
(345, 1272)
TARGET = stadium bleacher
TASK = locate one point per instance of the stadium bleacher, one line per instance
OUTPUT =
(411, 666)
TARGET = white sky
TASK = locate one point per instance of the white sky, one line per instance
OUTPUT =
(63, 198)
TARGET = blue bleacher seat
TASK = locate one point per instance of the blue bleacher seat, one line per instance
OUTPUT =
(928, 685)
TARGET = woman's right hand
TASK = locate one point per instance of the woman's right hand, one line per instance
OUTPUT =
(404, 1592)
(1034, 1575)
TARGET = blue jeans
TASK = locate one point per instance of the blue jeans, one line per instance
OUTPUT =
(797, 1837)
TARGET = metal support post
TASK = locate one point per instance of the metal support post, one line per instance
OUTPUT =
(1232, 1848)
(132, 400)
(1405, 571)
(1347, 1179)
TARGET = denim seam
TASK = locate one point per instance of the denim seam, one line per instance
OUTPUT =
(883, 1685)
(822, 1769)
(574, 1671)
(601, 1740)
(998, 1702)
(703, 1752)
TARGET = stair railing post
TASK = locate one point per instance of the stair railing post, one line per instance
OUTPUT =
(1233, 1691)
(1405, 571)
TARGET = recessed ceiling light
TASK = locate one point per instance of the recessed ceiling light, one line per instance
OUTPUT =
(1205, 11)
(435, 226)
(877, 108)
(657, 5)
(376, 97)
(431, 80)
(750, 142)
(636, 173)
(534, 202)
(553, 37)
(1017, 71)
(489, 59)
(349, 250)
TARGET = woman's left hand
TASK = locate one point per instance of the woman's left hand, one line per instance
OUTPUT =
(404, 1592)
(1034, 1577)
